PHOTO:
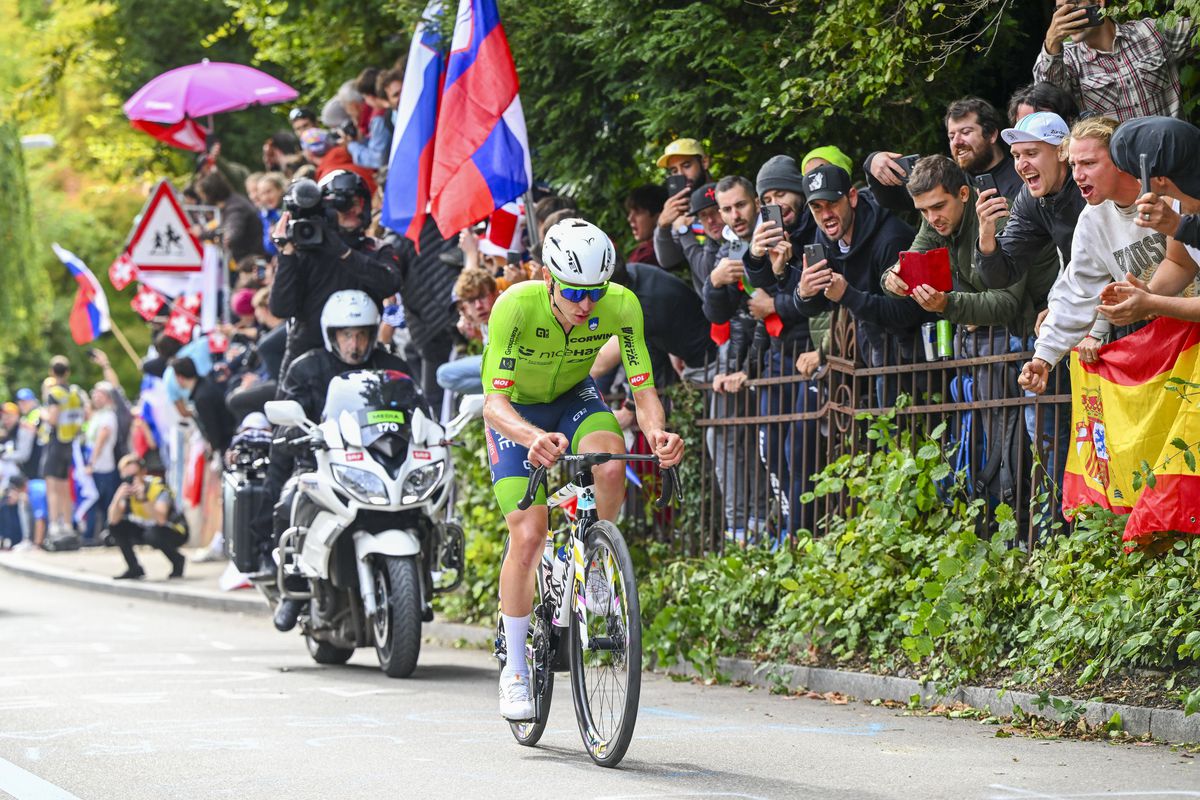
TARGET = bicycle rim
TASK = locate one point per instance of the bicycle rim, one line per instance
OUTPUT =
(606, 675)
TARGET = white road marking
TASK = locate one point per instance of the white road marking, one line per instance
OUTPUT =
(223, 646)
(23, 785)
(1014, 793)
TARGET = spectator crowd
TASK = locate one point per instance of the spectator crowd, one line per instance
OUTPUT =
(1054, 239)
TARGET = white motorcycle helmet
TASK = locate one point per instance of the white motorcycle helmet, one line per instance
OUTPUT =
(349, 308)
(578, 253)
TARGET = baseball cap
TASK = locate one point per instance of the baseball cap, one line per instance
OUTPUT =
(315, 140)
(26, 394)
(1040, 126)
(702, 198)
(680, 147)
(826, 183)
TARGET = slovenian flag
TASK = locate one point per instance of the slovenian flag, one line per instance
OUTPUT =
(481, 151)
(89, 315)
(406, 195)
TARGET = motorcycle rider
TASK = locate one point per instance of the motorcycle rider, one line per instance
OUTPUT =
(350, 328)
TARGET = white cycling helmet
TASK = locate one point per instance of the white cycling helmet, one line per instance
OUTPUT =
(349, 308)
(579, 253)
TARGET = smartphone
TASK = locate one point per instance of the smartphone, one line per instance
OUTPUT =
(772, 213)
(907, 163)
(1144, 167)
(514, 258)
(1093, 18)
(984, 182)
(814, 253)
(676, 184)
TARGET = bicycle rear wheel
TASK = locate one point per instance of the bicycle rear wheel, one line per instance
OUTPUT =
(606, 672)
(537, 655)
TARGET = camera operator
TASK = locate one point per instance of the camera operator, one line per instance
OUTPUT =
(323, 248)
(143, 512)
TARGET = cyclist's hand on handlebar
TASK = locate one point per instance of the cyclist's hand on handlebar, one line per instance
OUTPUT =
(668, 447)
(546, 448)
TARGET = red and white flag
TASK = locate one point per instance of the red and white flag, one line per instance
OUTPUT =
(147, 302)
(179, 325)
(122, 272)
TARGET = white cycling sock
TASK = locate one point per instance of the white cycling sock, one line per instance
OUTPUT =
(515, 630)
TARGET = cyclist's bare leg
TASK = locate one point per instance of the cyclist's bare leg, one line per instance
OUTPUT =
(526, 541)
(610, 477)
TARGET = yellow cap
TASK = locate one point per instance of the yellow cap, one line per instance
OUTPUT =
(11, 408)
(680, 147)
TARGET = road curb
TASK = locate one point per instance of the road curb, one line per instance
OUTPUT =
(1167, 725)
(243, 602)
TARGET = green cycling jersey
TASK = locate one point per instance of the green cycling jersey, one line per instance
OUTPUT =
(532, 360)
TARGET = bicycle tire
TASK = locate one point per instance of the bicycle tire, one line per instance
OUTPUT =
(604, 737)
(530, 733)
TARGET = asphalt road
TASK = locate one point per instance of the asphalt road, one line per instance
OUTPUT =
(105, 697)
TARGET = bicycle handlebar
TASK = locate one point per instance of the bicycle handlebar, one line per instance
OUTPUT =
(671, 489)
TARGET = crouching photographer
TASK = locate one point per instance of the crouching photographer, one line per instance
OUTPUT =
(143, 512)
(323, 248)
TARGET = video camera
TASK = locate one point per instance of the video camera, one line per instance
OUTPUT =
(304, 202)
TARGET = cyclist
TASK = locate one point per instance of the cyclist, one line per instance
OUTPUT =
(543, 338)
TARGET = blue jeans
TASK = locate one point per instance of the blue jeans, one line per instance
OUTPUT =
(106, 485)
(462, 375)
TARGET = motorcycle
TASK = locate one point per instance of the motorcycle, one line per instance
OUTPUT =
(371, 538)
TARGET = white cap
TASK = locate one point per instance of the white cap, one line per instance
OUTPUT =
(1040, 126)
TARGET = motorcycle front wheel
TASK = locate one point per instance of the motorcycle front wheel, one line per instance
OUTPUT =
(397, 620)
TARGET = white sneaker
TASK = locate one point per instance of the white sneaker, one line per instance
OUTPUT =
(514, 697)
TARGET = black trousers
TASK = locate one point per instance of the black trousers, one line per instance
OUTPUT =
(127, 533)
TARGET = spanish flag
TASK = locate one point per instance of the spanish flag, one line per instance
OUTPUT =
(1135, 405)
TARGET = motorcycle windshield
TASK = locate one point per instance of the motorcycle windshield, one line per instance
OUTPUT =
(381, 402)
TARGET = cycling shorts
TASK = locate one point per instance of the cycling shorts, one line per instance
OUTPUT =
(575, 413)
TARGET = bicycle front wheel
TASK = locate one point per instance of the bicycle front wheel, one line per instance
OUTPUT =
(606, 646)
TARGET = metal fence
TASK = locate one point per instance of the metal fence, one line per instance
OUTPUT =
(764, 443)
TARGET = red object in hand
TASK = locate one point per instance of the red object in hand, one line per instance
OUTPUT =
(931, 268)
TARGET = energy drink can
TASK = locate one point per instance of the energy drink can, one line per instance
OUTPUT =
(945, 339)
(929, 339)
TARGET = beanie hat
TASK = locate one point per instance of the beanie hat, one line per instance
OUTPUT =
(1173, 147)
(243, 303)
(779, 173)
(830, 153)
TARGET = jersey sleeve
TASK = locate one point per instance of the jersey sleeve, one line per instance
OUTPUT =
(499, 368)
(633, 345)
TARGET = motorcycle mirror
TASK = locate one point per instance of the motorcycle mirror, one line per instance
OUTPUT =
(419, 424)
(350, 430)
(471, 406)
(286, 412)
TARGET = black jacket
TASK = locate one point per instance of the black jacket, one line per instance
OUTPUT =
(241, 230)
(674, 320)
(426, 282)
(878, 239)
(795, 336)
(308, 379)
(307, 278)
(212, 416)
(747, 336)
(1033, 225)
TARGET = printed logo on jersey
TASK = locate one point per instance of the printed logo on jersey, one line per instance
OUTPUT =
(508, 363)
(629, 345)
(524, 352)
(543, 333)
(639, 379)
(493, 455)
(593, 323)
(501, 383)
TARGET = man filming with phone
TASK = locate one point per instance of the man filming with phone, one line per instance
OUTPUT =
(686, 164)
(1118, 70)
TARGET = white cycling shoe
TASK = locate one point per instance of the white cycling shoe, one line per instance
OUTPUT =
(515, 703)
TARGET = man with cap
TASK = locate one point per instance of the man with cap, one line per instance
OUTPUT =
(684, 157)
(1122, 71)
(679, 241)
(1042, 215)
(302, 118)
(973, 130)
(1108, 243)
(1172, 208)
(861, 240)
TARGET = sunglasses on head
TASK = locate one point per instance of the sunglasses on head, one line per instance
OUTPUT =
(577, 294)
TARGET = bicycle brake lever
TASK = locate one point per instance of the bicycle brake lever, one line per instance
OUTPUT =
(535, 480)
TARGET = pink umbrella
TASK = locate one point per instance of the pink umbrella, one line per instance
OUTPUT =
(199, 90)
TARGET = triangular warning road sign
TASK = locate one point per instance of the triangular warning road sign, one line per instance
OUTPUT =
(163, 241)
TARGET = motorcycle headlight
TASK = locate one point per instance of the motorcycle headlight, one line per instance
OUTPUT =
(421, 482)
(362, 485)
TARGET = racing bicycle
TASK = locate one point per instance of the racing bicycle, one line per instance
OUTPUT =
(586, 615)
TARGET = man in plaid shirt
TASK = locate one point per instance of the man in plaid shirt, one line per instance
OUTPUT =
(1120, 71)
